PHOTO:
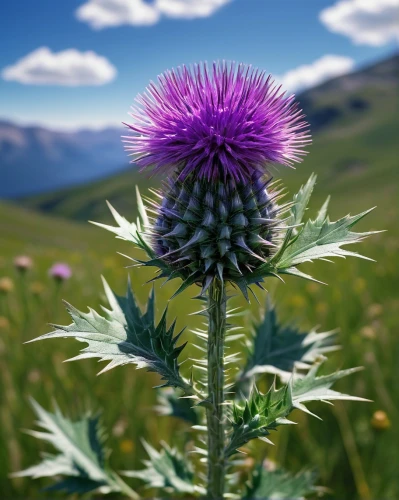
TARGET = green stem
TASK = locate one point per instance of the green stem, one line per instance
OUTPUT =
(24, 299)
(215, 413)
(124, 488)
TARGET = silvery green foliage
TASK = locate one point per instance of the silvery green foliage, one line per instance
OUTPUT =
(171, 403)
(278, 349)
(123, 335)
(82, 457)
(258, 415)
(314, 239)
(279, 485)
(167, 470)
(131, 231)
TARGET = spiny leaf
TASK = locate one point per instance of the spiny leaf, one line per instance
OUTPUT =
(299, 206)
(279, 349)
(261, 413)
(135, 233)
(316, 239)
(167, 470)
(279, 484)
(314, 388)
(82, 458)
(169, 403)
(130, 231)
(301, 201)
(126, 335)
(321, 238)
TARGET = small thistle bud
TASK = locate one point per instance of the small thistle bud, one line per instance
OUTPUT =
(380, 420)
(6, 285)
(23, 263)
(60, 271)
(4, 323)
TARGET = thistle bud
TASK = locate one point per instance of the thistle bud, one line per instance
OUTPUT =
(23, 263)
(60, 271)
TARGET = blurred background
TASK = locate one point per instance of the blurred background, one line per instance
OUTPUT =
(69, 72)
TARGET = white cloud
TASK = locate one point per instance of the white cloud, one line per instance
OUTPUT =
(68, 67)
(101, 14)
(188, 9)
(319, 71)
(367, 22)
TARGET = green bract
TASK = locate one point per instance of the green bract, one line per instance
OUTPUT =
(205, 230)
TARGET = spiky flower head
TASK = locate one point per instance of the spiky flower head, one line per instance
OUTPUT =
(213, 133)
(227, 121)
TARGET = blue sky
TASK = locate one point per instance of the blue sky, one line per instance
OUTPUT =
(278, 36)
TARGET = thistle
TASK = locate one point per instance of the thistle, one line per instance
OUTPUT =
(217, 222)
(214, 133)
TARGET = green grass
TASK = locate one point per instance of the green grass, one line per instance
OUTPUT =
(356, 161)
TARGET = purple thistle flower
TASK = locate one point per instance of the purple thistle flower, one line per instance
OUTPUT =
(60, 271)
(23, 263)
(231, 120)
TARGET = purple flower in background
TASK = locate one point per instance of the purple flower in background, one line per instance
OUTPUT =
(60, 271)
(231, 120)
(23, 263)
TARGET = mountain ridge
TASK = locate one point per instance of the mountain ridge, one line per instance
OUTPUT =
(34, 159)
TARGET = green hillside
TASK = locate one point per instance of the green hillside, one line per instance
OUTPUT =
(355, 156)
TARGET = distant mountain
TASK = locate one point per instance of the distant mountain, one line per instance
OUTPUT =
(35, 159)
(352, 96)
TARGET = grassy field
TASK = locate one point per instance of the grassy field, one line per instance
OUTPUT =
(354, 453)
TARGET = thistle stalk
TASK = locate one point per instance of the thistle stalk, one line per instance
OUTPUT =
(215, 413)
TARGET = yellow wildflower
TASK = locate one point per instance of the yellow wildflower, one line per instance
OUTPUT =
(4, 323)
(6, 285)
(126, 446)
(374, 310)
(37, 288)
(368, 332)
(298, 301)
(380, 420)
(321, 308)
(359, 285)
